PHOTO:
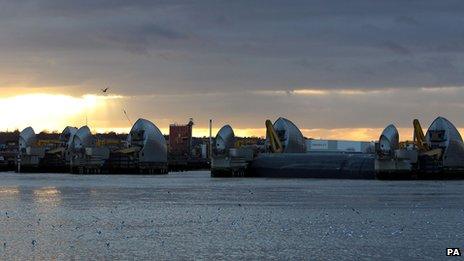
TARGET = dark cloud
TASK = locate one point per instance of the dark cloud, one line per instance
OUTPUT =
(336, 109)
(232, 46)
(396, 48)
(139, 38)
(407, 20)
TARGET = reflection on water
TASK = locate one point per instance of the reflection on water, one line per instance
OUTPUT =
(9, 191)
(47, 195)
(189, 215)
(94, 192)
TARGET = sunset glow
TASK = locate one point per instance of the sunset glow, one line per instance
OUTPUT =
(53, 112)
(49, 111)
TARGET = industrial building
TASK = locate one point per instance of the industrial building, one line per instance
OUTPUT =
(180, 140)
(313, 145)
(185, 152)
(180, 145)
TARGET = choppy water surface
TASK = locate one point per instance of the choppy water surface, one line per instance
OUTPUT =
(192, 216)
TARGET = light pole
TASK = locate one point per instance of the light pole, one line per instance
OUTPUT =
(210, 139)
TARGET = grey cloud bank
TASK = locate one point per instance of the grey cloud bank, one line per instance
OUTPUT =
(234, 47)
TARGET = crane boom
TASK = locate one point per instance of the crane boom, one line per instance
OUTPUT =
(274, 141)
(419, 137)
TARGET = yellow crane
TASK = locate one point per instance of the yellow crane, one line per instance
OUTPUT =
(419, 137)
(421, 143)
(274, 141)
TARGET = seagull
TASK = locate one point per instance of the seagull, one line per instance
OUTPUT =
(104, 90)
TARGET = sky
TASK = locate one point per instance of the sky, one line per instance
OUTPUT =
(338, 69)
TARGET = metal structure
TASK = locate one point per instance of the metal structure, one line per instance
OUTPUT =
(225, 140)
(334, 165)
(77, 150)
(293, 161)
(146, 151)
(389, 159)
(286, 157)
(150, 141)
(27, 138)
(210, 144)
(39, 155)
(275, 145)
(58, 158)
(284, 137)
(419, 137)
(442, 135)
(437, 154)
(29, 154)
(389, 140)
(227, 160)
(67, 135)
(66, 138)
(83, 138)
(85, 156)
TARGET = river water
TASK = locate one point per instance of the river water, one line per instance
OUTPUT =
(189, 215)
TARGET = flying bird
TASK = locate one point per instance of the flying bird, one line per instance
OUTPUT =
(104, 90)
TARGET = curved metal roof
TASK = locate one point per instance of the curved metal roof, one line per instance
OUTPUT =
(443, 134)
(225, 139)
(442, 124)
(82, 138)
(293, 140)
(67, 134)
(146, 135)
(389, 139)
(26, 137)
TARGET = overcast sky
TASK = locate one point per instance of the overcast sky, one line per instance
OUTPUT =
(323, 64)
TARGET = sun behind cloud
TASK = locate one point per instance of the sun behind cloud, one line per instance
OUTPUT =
(50, 112)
